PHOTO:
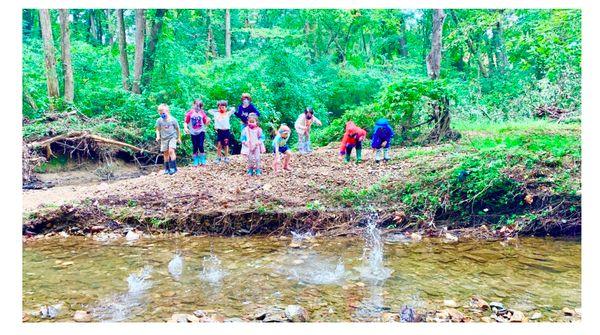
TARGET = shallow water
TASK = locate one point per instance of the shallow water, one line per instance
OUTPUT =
(234, 276)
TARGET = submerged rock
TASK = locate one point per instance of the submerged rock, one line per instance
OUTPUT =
(449, 315)
(478, 302)
(536, 316)
(450, 303)
(390, 317)
(408, 314)
(516, 316)
(82, 316)
(296, 313)
(183, 318)
(50, 312)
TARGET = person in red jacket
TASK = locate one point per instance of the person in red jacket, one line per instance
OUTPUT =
(353, 138)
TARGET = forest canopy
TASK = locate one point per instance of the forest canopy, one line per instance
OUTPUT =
(118, 65)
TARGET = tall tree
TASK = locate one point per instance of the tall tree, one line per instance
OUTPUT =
(402, 38)
(227, 33)
(441, 109)
(123, 49)
(434, 58)
(65, 40)
(211, 49)
(50, 60)
(150, 54)
(472, 48)
(498, 43)
(140, 25)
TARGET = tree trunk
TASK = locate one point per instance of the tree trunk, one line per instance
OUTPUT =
(227, 33)
(66, 55)
(211, 50)
(499, 49)
(140, 25)
(123, 50)
(402, 39)
(434, 58)
(150, 55)
(50, 60)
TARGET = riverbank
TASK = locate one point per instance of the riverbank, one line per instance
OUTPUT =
(514, 178)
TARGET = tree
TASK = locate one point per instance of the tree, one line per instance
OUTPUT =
(440, 107)
(211, 48)
(69, 88)
(140, 25)
(434, 58)
(227, 33)
(498, 44)
(50, 60)
(123, 50)
(150, 53)
(402, 38)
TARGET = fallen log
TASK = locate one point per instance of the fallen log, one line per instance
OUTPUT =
(81, 135)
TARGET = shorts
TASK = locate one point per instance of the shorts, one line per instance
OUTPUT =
(282, 149)
(223, 136)
(170, 143)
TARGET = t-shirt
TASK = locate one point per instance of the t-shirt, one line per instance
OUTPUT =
(279, 141)
(243, 112)
(195, 121)
(221, 120)
(168, 128)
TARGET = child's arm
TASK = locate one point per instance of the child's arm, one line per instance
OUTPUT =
(343, 146)
(178, 131)
(185, 124)
(157, 133)
(317, 121)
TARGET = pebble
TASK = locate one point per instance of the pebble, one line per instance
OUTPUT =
(132, 236)
(517, 316)
(82, 316)
(450, 303)
(536, 316)
(296, 313)
(415, 237)
(568, 311)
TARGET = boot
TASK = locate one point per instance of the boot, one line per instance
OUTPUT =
(172, 167)
(358, 155)
(378, 156)
(167, 167)
(196, 160)
(257, 172)
(203, 159)
(308, 149)
(347, 157)
(250, 172)
(386, 154)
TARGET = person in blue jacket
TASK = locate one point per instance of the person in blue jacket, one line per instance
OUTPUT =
(245, 109)
(380, 142)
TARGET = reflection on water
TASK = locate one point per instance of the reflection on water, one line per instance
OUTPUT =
(176, 266)
(325, 276)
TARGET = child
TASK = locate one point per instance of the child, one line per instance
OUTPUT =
(222, 125)
(302, 125)
(353, 137)
(382, 135)
(253, 144)
(245, 109)
(167, 132)
(195, 125)
(280, 148)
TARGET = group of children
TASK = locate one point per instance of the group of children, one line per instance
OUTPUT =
(252, 136)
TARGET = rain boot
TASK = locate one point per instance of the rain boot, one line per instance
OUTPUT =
(308, 149)
(386, 154)
(196, 160)
(203, 159)
(250, 172)
(257, 172)
(172, 167)
(378, 156)
(347, 157)
(167, 167)
(358, 155)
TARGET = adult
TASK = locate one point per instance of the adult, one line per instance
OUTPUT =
(245, 109)
(302, 125)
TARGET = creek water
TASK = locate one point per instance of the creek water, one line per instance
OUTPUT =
(335, 279)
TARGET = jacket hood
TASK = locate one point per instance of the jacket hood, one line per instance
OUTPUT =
(382, 122)
(351, 127)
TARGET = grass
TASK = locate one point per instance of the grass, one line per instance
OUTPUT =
(487, 171)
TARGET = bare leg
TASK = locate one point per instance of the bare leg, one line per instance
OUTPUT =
(286, 160)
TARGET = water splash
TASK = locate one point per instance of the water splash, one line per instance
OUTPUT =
(299, 237)
(138, 283)
(212, 272)
(316, 270)
(372, 306)
(120, 307)
(176, 266)
(373, 268)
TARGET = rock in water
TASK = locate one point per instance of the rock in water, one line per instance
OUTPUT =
(82, 316)
(517, 316)
(132, 236)
(450, 303)
(478, 302)
(536, 316)
(407, 314)
(568, 311)
(296, 313)
(176, 266)
(50, 312)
